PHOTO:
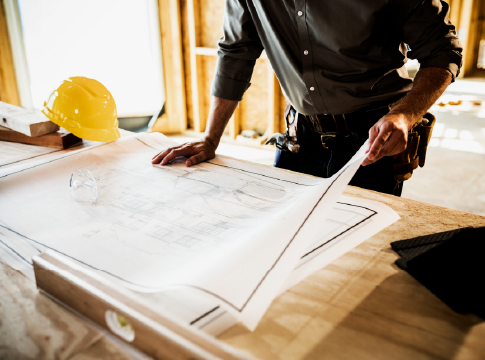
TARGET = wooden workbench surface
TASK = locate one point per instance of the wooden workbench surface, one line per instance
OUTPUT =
(359, 307)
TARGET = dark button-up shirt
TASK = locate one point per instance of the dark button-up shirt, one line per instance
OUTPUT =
(334, 56)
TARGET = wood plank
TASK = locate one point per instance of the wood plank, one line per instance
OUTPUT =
(274, 94)
(468, 33)
(199, 116)
(28, 122)
(8, 83)
(155, 333)
(59, 140)
(175, 118)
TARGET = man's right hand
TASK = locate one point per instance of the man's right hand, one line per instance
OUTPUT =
(196, 152)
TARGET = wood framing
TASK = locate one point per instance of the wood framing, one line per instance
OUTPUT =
(193, 15)
(175, 118)
(197, 52)
(8, 83)
(467, 16)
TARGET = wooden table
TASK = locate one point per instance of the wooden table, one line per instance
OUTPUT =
(359, 307)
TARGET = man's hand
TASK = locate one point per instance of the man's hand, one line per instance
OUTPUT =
(220, 112)
(196, 152)
(389, 136)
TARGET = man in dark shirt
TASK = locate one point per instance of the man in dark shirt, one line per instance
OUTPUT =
(341, 66)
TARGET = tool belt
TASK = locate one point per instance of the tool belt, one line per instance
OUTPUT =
(415, 153)
(333, 128)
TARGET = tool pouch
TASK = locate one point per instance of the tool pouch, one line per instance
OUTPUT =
(415, 153)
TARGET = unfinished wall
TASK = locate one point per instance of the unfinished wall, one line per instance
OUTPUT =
(257, 110)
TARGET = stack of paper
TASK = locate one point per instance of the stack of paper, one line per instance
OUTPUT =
(214, 243)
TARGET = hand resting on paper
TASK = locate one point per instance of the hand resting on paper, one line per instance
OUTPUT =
(220, 112)
(196, 151)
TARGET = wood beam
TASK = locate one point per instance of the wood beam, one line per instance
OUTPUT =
(175, 118)
(8, 83)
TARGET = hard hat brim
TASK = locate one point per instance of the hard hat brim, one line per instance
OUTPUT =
(104, 135)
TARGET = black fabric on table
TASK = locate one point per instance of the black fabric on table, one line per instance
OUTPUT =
(450, 264)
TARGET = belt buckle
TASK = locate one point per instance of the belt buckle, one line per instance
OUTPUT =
(323, 139)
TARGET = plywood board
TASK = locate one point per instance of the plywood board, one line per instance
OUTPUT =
(28, 122)
(59, 140)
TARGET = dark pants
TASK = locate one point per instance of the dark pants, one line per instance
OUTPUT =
(315, 160)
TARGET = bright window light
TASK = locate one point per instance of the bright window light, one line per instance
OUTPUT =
(116, 42)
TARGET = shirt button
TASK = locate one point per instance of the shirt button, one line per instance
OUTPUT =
(305, 52)
(312, 88)
(300, 13)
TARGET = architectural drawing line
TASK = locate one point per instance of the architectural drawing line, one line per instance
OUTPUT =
(255, 173)
(144, 143)
(82, 262)
(32, 157)
(212, 320)
(11, 249)
(55, 159)
(204, 315)
(293, 238)
(343, 232)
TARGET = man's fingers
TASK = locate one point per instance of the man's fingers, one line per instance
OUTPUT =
(194, 160)
(373, 132)
(378, 143)
(175, 153)
(393, 143)
(157, 158)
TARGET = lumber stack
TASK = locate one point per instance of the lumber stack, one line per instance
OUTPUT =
(32, 127)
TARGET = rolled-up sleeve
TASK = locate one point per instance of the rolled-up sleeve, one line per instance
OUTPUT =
(239, 48)
(432, 37)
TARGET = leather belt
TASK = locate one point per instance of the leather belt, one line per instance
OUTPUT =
(343, 123)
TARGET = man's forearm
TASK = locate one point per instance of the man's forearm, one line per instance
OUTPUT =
(220, 112)
(429, 84)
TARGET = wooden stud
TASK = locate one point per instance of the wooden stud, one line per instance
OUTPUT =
(8, 83)
(197, 86)
(467, 32)
(175, 118)
(455, 11)
(273, 104)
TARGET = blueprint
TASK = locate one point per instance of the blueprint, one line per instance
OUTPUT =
(12, 153)
(230, 234)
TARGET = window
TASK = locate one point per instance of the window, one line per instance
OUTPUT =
(116, 42)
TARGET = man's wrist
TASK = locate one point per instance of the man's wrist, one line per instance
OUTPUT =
(212, 140)
(409, 117)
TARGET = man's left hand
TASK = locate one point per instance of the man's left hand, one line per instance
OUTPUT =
(389, 136)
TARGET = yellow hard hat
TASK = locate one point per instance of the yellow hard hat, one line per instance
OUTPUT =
(85, 108)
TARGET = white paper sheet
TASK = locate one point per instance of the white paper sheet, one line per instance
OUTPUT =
(14, 154)
(229, 231)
